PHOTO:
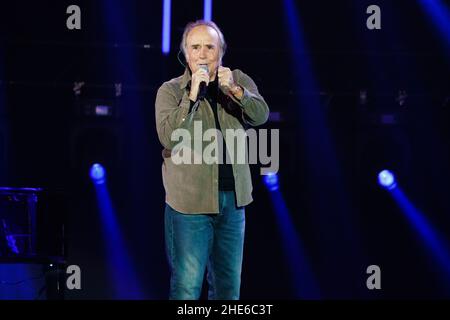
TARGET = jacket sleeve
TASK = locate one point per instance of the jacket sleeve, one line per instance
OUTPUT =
(170, 114)
(255, 108)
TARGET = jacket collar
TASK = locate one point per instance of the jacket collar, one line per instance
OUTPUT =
(185, 79)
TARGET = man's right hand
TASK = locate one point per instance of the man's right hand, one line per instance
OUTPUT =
(198, 77)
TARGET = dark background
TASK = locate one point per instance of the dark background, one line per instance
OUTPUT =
(345, 221)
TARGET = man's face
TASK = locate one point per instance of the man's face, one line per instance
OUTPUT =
(202, 47)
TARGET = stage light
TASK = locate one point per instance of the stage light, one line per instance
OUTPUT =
(271, 181)
(387, 179)
(98, 173)
(97, 108)
(207, 10)
(166, 27)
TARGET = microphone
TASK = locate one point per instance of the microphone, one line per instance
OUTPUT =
(202, 87)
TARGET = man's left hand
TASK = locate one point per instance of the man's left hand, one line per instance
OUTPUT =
(227, 84)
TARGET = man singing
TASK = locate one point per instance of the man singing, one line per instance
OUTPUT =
(204, 213)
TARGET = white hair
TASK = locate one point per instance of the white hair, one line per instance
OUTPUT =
(192, 25)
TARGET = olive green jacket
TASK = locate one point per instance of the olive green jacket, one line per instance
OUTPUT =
(193, 188)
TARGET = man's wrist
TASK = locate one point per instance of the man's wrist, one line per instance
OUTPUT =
(192, 96)
(237, 91)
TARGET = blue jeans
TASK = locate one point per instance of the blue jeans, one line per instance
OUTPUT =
(212, 242)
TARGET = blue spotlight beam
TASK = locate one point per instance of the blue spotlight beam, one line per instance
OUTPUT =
(439, 14)
(320, 151)
(304, 280)
(121, 271)
(119, 20)
(207, 10)
(119, 264)
(166, 27)
(424, 228)
(325, 175)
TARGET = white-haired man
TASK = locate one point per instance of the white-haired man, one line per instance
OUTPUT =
(204, 214)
